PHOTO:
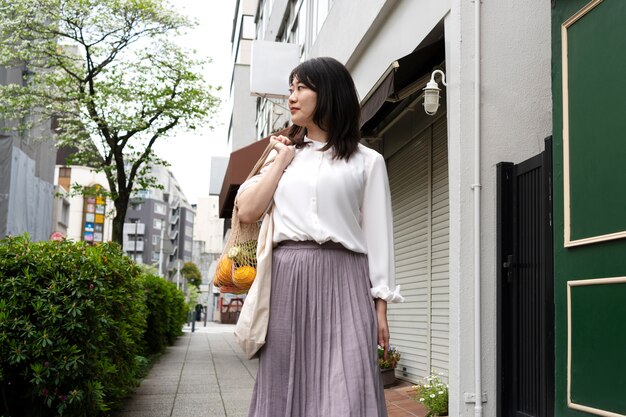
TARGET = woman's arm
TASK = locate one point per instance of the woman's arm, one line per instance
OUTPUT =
(383, 326)
(252, 202)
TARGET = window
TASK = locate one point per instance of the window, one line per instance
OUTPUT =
(159, 208)
(145, 194)
(155, 240)
(247, 27)
(188, 230)
(157, 224)
(65, 213)
(322, 12)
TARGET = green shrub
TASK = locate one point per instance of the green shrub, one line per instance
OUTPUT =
(166, 312)
(72, 320)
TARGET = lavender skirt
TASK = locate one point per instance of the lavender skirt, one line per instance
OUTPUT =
(320, 358)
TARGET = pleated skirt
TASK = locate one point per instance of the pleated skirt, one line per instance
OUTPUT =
(320, 358)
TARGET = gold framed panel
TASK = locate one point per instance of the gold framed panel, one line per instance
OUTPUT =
(578, 283)
(568, 242)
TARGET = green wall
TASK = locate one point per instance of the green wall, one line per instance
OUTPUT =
(597, 71)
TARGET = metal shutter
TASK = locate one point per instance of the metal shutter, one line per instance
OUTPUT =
(418, 177)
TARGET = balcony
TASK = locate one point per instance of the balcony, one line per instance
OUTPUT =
(133, 246)
(132, 229)
(174, 219)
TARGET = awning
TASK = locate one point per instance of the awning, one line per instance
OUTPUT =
(398, 80)
(239, 166)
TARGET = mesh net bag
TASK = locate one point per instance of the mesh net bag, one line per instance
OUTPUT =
(236, 268)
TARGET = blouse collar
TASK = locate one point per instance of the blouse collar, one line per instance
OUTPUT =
(314, 142)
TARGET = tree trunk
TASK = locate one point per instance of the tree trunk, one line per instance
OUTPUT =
(121, 205)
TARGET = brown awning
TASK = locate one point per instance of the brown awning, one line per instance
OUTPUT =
(239, 166)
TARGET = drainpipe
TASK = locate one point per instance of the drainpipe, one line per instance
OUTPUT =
(476, 187)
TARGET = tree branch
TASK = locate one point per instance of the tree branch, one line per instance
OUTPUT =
(148, 150)
(124, 138)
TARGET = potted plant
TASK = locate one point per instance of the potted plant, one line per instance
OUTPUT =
(433, 393)
(388, 366)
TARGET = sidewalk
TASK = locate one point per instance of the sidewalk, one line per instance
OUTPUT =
(205, 374)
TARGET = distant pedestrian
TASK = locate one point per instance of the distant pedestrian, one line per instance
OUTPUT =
(332, 267)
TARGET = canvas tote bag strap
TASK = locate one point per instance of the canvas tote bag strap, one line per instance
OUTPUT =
(263, 159)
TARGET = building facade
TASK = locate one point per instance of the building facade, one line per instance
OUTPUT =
(26, 174)
(496, 108)
(241, 127)
(208, 243)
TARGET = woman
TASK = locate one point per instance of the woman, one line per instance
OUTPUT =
(332, 267)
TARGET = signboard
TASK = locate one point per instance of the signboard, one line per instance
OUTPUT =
(93, 218)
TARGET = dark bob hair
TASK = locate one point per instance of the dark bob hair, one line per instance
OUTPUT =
(337, 111)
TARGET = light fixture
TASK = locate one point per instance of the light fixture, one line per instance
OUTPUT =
(431, 93)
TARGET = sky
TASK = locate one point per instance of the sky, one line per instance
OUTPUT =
(190, 153)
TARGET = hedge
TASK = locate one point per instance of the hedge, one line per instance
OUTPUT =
(167, 312)
(73, 326)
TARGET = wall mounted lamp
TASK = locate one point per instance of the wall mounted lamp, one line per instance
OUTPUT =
(431, 93)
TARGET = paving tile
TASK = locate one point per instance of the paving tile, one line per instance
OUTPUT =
(143, 403)
(156, 389)
(195, 410)
(186, 388)
(152, 413)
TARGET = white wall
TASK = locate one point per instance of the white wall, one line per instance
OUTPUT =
(380, 33)
(243, 122)
(208, 227)
(516, 116)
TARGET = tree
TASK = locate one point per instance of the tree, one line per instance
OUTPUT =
(192, 274)
(108, 74)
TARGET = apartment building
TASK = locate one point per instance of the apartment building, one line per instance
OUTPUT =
(158, 229)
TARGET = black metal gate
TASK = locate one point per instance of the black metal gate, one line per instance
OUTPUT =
(525, 287)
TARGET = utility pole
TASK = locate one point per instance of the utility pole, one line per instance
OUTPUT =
(178, 274)
(161, 250)
(135, 251)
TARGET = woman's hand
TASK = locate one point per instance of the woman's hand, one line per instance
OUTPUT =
(285, 149)
(383, 326)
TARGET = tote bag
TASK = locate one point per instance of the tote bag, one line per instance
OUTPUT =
(251, 328)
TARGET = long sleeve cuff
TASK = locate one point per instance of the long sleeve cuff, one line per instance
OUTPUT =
(384, 293)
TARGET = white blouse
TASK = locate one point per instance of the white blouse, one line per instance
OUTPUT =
(324, 199)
